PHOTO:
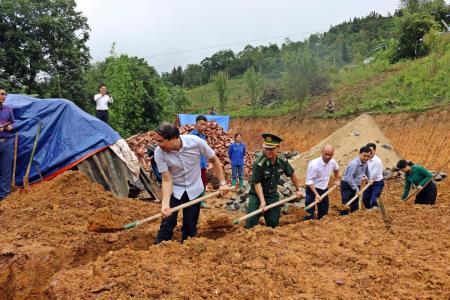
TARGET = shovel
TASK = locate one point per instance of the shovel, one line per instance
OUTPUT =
(321, 198)
(13, 177)
(258, 211)
(437, 173)
(347, 205)
(103, 228)
(26, 182)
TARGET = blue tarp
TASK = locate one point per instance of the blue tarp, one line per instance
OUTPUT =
(223, 121)
(68, 134)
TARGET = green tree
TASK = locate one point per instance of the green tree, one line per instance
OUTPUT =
(179, 99)
(45, 38)
(128, 94)
(346, 57)
(221, 86)
(301, 68)
(253, 81)
(411, 29)
(136, 90)
(193, 75)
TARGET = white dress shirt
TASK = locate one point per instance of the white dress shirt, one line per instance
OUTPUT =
(184, 165)
(375, 168)
(102, 101)
(319, 172)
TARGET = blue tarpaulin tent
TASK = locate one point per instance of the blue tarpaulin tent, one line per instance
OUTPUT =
(185, 119)
(68, 135)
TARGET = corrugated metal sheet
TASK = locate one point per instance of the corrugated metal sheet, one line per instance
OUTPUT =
(107, 169)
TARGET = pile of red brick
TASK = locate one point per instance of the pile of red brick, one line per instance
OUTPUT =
(217, 138)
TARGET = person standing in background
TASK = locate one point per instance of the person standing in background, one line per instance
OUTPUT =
(236, 152)
(102, 99)
(6, 145)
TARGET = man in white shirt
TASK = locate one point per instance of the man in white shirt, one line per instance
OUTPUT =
(317, 178)
(103, 98)
(178, 161)
(375, 166)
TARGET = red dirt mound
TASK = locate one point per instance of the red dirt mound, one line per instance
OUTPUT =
(45, 231)
(338, 257)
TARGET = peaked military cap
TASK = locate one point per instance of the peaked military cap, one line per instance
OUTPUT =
(271, 140)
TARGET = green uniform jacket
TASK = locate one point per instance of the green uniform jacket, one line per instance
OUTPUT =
(269, 175)
(418, 176)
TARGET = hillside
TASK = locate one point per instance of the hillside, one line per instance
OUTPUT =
(409, 85)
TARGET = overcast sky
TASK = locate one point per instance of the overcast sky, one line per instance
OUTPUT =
(155, 28)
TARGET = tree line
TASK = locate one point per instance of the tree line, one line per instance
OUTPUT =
(305, 68)
(43, 52)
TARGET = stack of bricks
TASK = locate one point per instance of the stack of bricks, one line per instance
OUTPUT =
(217, 139)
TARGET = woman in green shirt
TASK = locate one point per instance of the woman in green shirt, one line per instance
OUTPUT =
(418, 175)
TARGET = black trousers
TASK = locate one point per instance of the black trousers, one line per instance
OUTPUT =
(347, 193)
(322, 207)
(102, 115)
(190, 219)
(427, 195)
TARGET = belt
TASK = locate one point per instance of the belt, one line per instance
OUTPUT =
(2, 140)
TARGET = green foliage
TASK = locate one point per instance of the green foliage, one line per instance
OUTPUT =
(193, 75)
(284, 108)
(128, 94)
(411, 29)
(254, 83)
(179, 99)
(204, 97)
(343, 44)
(301, 68)
(221, 85)
(141, 100)
(44, 38)
(406, 86)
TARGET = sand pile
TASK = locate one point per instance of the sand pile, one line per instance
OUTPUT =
(347, 141)
(338, 257)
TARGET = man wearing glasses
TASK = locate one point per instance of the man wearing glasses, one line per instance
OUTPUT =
(266, 172)
(6, 145)
(178, 160)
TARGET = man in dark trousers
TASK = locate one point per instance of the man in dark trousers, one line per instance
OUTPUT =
(352, 177)
(317, 178)
(178, 160)
(6, 145)
(375, 166)
(236, 152)
(102, 100)
(266, 174)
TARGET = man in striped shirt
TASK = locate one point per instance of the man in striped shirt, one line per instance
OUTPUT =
(352, 177)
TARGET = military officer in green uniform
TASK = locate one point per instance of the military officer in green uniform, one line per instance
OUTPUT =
(264, 181)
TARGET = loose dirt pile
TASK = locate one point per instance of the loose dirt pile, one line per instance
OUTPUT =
(217, 139)
(338, 257)
(347, 142)
(46, 250)
(45, 231)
